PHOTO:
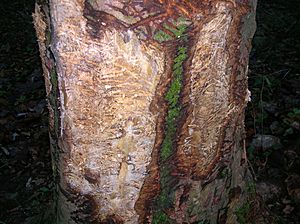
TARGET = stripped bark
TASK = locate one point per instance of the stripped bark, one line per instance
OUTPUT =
(110, 68)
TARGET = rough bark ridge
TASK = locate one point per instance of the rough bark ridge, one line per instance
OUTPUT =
(151, 102)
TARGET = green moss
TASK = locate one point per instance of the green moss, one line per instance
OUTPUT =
(164, 200)
(48, 37)
(242, 213)
(251, 188)
(166, 196)
(161, 218)
(166, 148)
(53, 97)
(172, 98)
(53, 79)
(173, 94)
(178, 32)
(161, 36)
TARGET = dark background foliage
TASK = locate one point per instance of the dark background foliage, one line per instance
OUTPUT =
(25, 168)
(272, 121)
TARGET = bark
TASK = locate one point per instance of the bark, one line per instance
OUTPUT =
(146, 102)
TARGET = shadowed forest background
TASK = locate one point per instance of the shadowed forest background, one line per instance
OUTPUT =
(272, 121)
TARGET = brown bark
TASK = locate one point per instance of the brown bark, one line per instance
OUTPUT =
(108, 75)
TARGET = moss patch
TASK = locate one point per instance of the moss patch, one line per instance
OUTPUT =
(53, 99)
(166, 196)
(161, 218)
(242, 213)
(172, 98)
(162, 36)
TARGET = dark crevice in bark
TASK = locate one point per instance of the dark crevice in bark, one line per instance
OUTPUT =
(165, 198)
(162, 166)
(161, 180)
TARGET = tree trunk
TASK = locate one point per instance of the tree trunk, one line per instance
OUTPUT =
(146, 102)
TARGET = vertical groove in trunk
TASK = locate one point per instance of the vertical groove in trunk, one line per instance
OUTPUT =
(145, 124)
(165, 198)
